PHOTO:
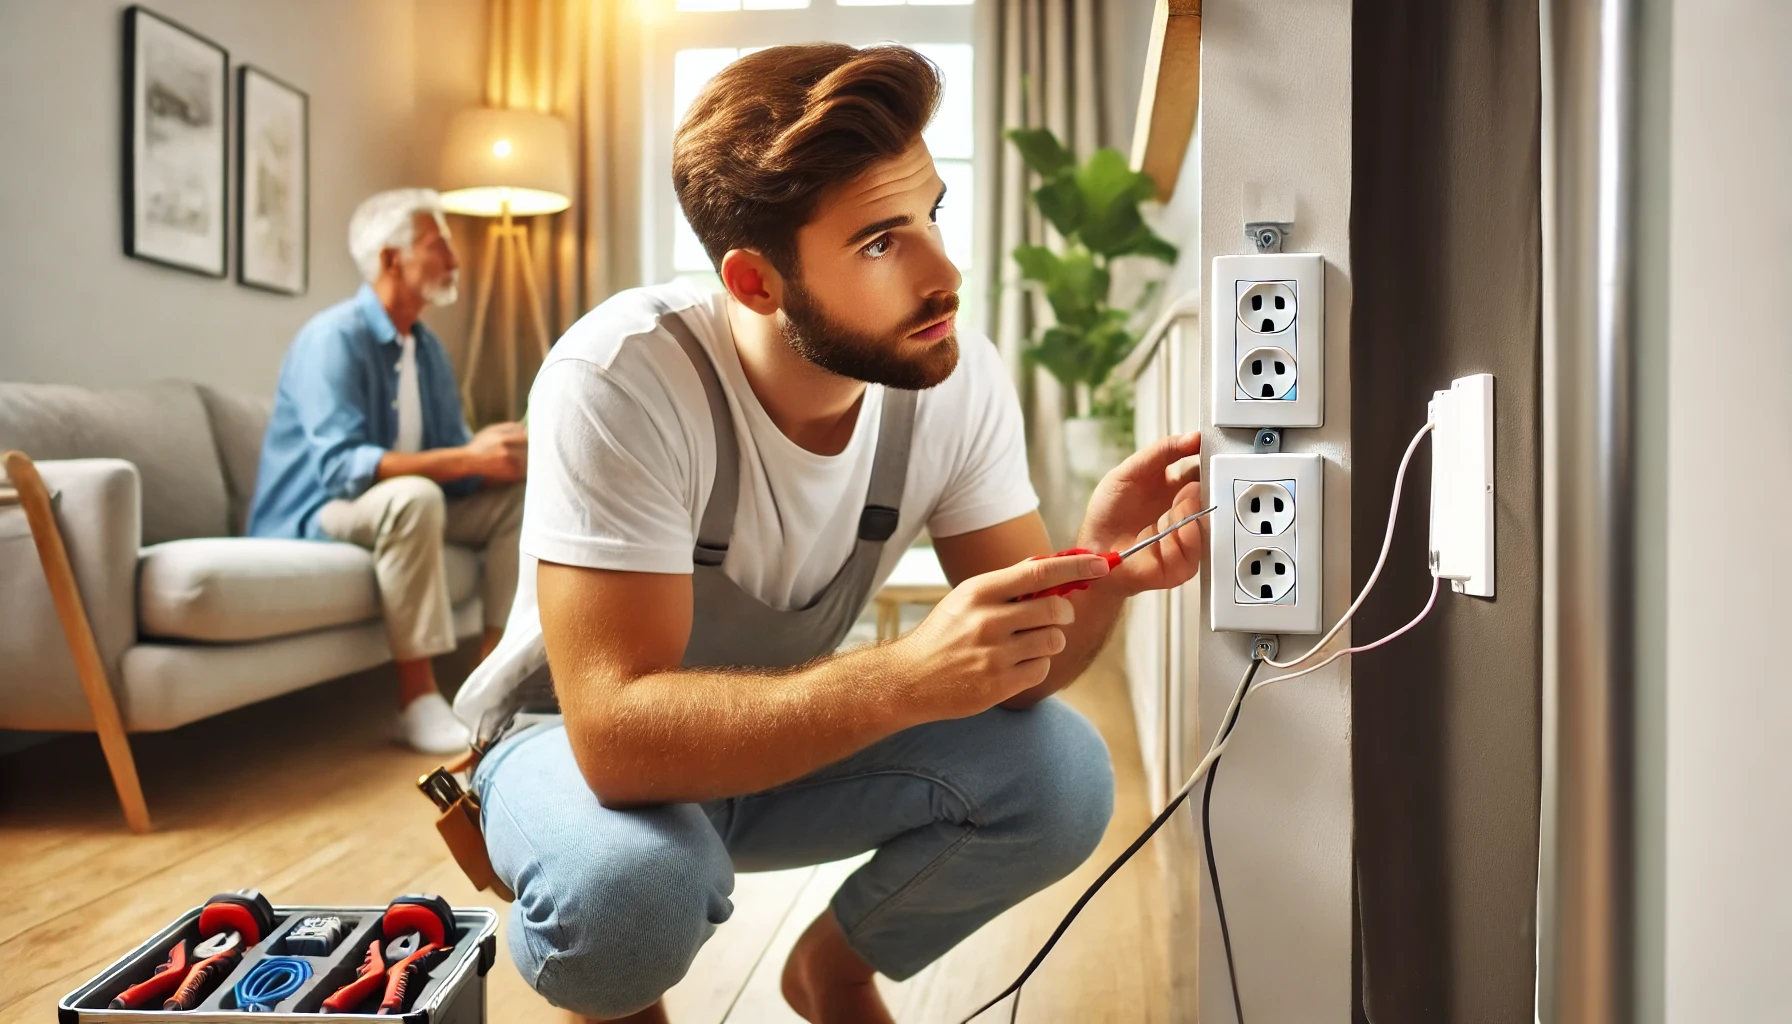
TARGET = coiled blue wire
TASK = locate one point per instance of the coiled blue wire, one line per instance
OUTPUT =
(270, 981)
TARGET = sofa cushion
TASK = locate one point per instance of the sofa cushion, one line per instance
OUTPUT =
(161, 428)
(239, 422)
(232, 589)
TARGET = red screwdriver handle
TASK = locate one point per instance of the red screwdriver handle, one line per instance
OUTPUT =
(1061, 589)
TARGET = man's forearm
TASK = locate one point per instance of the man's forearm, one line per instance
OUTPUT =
(1097, 610)
(438, 464)
(688, 736)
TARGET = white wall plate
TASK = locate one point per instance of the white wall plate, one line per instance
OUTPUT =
(1265, 561)
(1268, 317)
(1462, 485)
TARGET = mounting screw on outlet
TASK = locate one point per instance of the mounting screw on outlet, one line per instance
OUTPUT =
(1269, 356)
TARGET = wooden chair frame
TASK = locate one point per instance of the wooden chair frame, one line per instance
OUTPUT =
(52, 555)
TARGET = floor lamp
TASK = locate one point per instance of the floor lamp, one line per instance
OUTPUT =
(505, 165)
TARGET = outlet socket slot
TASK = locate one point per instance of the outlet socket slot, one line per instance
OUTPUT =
(1268, 307)
(1266, 576)
(1267, 374)
(1266, 509)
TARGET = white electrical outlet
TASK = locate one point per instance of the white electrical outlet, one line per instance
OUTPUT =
(1269, 354)
(1266, 562)
(1462, 485)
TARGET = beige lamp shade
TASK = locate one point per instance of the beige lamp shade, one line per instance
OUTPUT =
(493, 156)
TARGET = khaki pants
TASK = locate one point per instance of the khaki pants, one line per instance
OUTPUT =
(405, 521)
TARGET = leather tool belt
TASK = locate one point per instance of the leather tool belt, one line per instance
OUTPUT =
(459, 823)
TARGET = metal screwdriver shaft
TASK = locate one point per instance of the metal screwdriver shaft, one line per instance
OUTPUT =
(1147, 542)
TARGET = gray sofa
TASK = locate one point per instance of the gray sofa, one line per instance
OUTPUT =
(151, 488)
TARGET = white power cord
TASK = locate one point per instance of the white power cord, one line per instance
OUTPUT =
(1387, 542)
(1358, 650)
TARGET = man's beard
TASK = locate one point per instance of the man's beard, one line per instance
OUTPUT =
(443, 292)
(872, 358)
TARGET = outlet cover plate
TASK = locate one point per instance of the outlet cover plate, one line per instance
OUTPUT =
(1300, 609)
(1303, 339)
(1462, 485)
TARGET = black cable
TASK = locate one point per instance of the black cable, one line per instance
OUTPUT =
(1213, 870)
(1120, 861)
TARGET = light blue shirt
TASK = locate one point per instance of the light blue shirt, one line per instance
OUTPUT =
(336, 413)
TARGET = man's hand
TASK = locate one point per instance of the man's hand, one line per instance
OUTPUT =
(980, 647)
(500, 453)
(1140, 497)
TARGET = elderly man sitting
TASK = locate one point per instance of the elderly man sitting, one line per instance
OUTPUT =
(367, 444)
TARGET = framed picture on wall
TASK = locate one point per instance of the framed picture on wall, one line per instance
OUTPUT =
(273, 174)
(175, 161)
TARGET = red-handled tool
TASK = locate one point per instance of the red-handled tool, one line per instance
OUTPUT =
(230, 922)
(1114, 558)
(416, 930)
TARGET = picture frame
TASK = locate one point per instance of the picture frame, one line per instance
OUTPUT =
(175, 145)
(273, 236)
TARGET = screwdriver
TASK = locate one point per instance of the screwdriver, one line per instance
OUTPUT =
(1114, 557)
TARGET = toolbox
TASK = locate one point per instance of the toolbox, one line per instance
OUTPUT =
(453, 990)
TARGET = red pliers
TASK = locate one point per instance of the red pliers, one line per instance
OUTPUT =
(1114, 557)
(231, 923)
(415, 931)
(179, 984)
(396, 968)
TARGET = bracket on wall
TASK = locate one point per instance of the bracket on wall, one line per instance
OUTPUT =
(1268, 235)
(1268, 442)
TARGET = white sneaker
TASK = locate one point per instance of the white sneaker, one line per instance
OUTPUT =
(428, 725)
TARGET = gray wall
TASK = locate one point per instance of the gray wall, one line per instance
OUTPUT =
(381, 74)
(1446, 251)
(1276, 109)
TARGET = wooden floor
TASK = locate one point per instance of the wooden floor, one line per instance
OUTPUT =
(303, 798)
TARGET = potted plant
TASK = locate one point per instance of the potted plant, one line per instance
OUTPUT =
(1095, 207)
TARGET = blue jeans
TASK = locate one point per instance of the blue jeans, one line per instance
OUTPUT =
(968, 817)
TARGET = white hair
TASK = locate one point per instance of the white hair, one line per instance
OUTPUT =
(389, 221)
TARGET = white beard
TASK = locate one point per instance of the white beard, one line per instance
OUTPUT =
(443, 293)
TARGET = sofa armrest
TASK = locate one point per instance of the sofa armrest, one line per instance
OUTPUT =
(98, 510)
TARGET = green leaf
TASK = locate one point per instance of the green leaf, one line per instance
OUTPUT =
(1037, 263)
(1061, 201)
(1146, 242)
(1063, 353)
(1110, 204)
(1041, 150)
(1079, 292)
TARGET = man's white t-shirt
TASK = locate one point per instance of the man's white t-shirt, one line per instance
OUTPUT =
(622, 457)
(410, 400)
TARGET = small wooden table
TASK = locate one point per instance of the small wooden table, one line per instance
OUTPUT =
(916, 579)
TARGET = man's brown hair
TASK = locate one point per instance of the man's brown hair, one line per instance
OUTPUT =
(775, 128)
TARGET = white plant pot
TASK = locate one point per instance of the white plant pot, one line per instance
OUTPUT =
(1088, 454)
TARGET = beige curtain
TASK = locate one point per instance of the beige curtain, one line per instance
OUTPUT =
(578, 60)
(1048, 56)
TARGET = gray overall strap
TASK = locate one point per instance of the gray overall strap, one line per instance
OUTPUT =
(889, 468)
(718, 515)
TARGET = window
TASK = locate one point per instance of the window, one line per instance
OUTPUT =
(691, 40)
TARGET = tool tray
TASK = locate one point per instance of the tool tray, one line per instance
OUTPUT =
(453, 993)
